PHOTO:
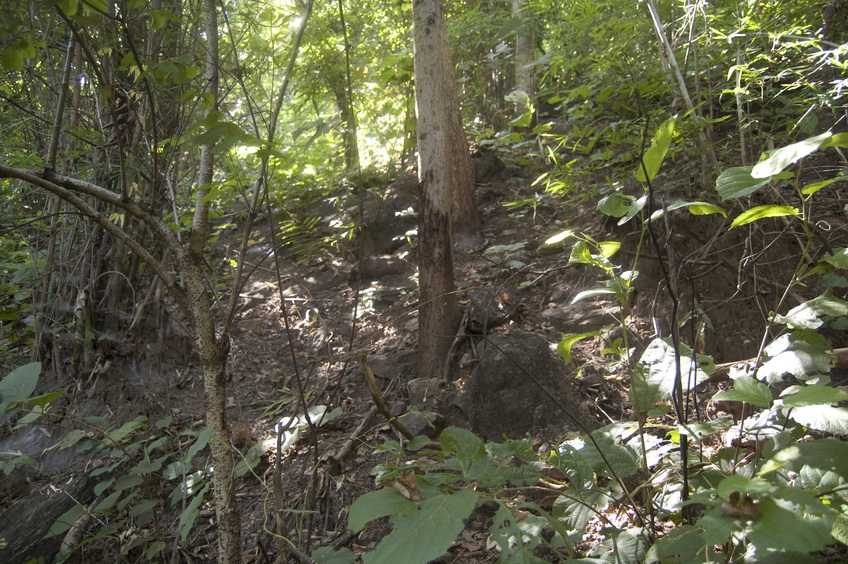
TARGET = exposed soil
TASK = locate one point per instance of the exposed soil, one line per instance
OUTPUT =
(736, 277)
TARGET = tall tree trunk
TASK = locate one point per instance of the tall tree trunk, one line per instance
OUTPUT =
(442, 162)
(524, 77)
(212, 349)
(442, 147)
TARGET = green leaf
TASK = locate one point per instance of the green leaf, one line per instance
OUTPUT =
(424, 530)
(808, 315)
(19, 384)
(155, 548)
(814, 395)
(737, 182)
(811, 189)
(12, 59)
(143, 511)
(108, 503)
(370, 506)
(779, 528)
(684, 544)
(592, 293)
(825, 418)
(762, 212)
(328, 555)
(747, 389)
(65, 521)
(742, 485)
(653, 157)
(782, 158)
(43, 400)
(189, 514)
(660, 360)
(801, 353)
(469, 449)
(827, 454)
(609, 248)
(838, 258)
(564, 346)
(615, 205)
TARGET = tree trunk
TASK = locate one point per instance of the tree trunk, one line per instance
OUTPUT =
(442, 162)
(443, 156)
(524, 76)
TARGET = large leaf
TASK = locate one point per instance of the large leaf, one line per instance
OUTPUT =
(825, 418)
(780, 159)
(653, 157)
(809, 314)
(801, 353)
(424, 530)
(660, 360)
(788, 528)
(684, 544)
(564, 346)
(737, 182)
(762, 212)
(748, 390)
(370, 506)
(813, 395)
(827, 454)
(18, 385)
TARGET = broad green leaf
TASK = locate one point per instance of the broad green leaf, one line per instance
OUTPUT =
(155, 548)
(425, 530)
(108, 503)
(65, 521)
(684, 544)
(469, 449)
(623, 459)
(329, 555)
(838, 258)
(737, 182)
(782, 158)
(19, 384)
(825, 454)
(189, 514)
(837, 140)
(742, 485)
(660, 360)
(43, 400)
(762, 212)
(814, 395)
(783, 529)
(143, 511)
(376, 504)
(615, 205)
(801, 353)
(808, 315)
(577, 507)
(825, 418)
(748, 390)
(559, 237)
(653, 157)
(609, 248)
(811, 189)
(840, 528)
(202, 439)
(644, 396)
(12, 59)
(564, 346)
(634, 209)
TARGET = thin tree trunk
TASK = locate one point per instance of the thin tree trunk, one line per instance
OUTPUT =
(524, 76)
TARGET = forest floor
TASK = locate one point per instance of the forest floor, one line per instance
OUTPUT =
(734, 276)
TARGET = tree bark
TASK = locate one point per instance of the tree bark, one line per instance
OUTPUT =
(524, 76)
(442, 156)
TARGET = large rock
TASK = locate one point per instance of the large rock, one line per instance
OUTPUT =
(500, 396)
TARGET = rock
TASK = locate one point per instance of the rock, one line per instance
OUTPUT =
(422, 391)
(426, 423)
(581, 317)
(376, 267)
(499, 398)
(389, 220)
